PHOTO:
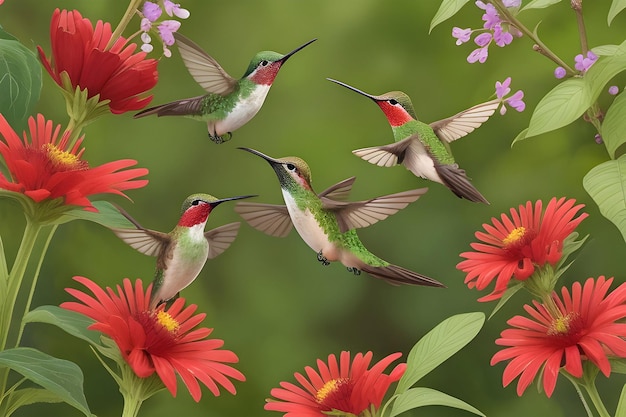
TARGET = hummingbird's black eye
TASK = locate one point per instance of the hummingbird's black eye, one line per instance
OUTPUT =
(393, 101)
(195, 202)
(291, 167)
(264, 63)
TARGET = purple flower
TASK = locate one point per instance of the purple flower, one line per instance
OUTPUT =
(502, 88)
(483, 39)
(145, 25)
(151, 11)
(501, 37)
(613, 90)
(166, 31)
(491, 16)
(515, 101)
(598, 139)
(461, 35)
(174, 9)
(478, 55)
(584, 63)
(560, 72)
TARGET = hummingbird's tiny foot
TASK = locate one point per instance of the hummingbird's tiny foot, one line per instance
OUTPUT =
(322, 259)
(355, 271)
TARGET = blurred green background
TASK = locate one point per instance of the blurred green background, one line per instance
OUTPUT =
(268, 298)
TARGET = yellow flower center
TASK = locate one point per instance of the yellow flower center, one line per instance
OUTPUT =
(167, 321)
(515, 235)
(562, 325)
(328, 388)
(63, 160)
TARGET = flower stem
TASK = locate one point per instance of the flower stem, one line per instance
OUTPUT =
(579, 392)
(126, 18)
(591, 389)
(577, 6)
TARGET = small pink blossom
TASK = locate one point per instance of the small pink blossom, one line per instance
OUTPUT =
(174, 9)
(478, 55)
(461, 35)
(560, 72)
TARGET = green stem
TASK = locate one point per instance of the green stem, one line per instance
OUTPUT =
(128, 15)
(591, 389)
(579, 392)
(540, 47)
(132, 404)
(577, 6)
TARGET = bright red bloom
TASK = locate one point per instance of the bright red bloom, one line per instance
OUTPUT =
(163, 340)
(344, 386)
(113, 72)
(515, 246)
(45, 167)
(584, 326)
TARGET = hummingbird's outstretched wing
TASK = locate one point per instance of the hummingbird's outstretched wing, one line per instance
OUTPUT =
(339, 191)
(396, 275)
(354, 215)
(149, 242)
(386, 155)
(203, 68)
(465, 122)
(185, 107)
(271, 219)
(221, 237)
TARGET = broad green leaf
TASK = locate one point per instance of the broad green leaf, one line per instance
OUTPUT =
(561, 106)
(506, 297)
(6, 35)
(616, 7)
(107, 215)
(71, 322)
(61, 377)
(606, 184)
(520, 137)
(620, 411)
(447, 9)
(540, 4)
(447, 338)
(20, 81)
(421, 397)
(618, 365)
(614, 125)
(28, 396)
(4, 272)
(603, 50)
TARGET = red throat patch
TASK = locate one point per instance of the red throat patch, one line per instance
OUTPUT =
(266, 75)
(396, 115)
(195, 215)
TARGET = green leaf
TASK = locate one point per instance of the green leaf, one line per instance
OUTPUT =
(20, 81)
(421, 397)
(447, 9)
(71, 322)
(447, 338)
(28, 396)
(561, 106)
(506, 297)
(603, 50)
(539, 4)
(618, 365)
(621, 405)
(61, 377)
(107, 215)
(614, 125)
(520, 137)
(616, 7)
(606, 184)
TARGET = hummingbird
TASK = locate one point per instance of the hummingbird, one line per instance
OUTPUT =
(181, 253)
(424, 148)
(229, 103)
(326, 222)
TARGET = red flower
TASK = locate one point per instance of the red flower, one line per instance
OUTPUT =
(114, 72)
(160, 340)
(581, 327)
(346, 387)
(513, 248)
(45, 167)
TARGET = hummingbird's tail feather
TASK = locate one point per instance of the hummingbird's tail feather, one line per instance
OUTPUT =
(456, 180)
(397, 275)
(185, 107)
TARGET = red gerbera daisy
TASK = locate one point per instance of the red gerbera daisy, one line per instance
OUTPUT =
(346, 387)
(584, 326)
(514, 247)
(114, 72)
(163, 340)
(44, 167)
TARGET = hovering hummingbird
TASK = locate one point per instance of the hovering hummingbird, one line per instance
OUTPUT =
(230, 103)
(181, 253)
(326, 223)
(424, 148)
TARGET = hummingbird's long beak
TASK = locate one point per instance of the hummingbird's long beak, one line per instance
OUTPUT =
(286, 57)
(363, 93)
(272, 161)
(240, 197)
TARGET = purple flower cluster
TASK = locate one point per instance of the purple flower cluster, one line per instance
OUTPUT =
(515, 101)
(151, 13)
(494, 30)
(581, 63)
